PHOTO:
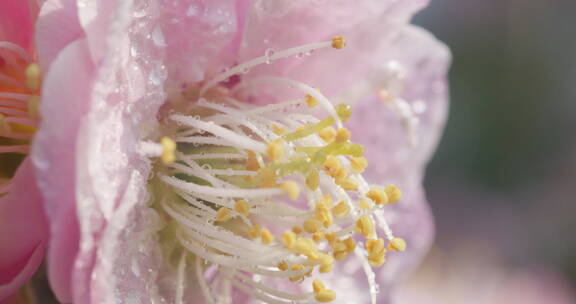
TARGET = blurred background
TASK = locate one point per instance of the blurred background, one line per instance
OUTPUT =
(503, 183)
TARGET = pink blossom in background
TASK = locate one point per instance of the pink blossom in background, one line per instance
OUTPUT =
(470, 275)
(125, 70)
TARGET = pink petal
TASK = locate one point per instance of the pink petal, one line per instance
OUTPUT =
(381, 130)
(279, 25)
(23, 231)
(57, 26)
(125, 97)
(201, 37)
(64, 102)
(17, 19)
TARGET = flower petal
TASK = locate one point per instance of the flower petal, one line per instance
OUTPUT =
(424, 62)
(23, 231)
(199, 36)
(64, 102)
(17, 19)
(57, 26)
(283, 24)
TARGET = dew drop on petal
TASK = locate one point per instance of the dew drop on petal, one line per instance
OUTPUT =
(269, 53)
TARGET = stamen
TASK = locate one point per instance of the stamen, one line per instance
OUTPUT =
(239, 169)
(33, 76)
(337, 42)
(397, 244)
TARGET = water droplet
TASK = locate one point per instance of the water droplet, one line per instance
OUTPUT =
(158, 37)
(269, 53)
(206, 167)
(140, 10)
(134, 51)
(192, 10)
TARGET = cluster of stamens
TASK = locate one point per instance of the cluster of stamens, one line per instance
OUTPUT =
(20, 82)
(271, 191)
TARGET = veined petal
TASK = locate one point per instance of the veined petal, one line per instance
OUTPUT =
(65, 100)
(57, 26)
(365, 24)
(413, 72)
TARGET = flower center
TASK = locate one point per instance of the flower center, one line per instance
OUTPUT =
(267, 196)
(19, 96)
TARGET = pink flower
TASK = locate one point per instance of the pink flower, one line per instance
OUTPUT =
(23, 228)
(131, 223)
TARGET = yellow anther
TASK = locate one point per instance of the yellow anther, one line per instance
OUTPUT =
(275, 150)
(376, 252)
(340, 250)
(242, 207)
(341, 210)
(33, 104)
(325, 202)
(394, 194)
(342, 135)
(4, 126)
(332, 166)
(251, 161)
(312, 225)
(313, 179)
(326, 263)
(325, 296)
(339, 173)
(348, 184)
(317, 236)
(297, 267)
(324, 268)
(289, 239)
(267, 237)
(33, 76)
(278, 130)
(350, 244)
(282, 266)
(307, 247)
(255, 231)
(297, 230)
(330, 237)
(364, 204)
(311, 101)
(397, 244)
(358, 164)
(317, 285)
(344, 111)
(291, 188)
(365, 226)
(322, 213)
(338, 42)
(378, 196)
(267, 177)
(168, 155)
(327, 134)
(223, 214)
